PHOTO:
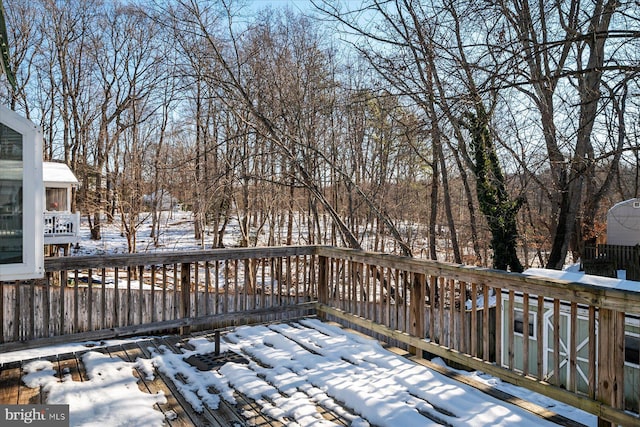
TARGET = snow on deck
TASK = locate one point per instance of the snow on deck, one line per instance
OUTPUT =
(571, 275)
(293, 374)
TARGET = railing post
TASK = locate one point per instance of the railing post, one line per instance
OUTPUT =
(610, 361)
(323, 283)
(185, 300)
(17, 312)
(62, 311)
(417, 309)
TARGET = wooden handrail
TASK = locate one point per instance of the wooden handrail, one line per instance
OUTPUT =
(580, 293)
(171, 257)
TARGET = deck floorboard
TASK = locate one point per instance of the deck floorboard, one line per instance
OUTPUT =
(174, 414)
(10, 378)
(177, 410)
(203, 418)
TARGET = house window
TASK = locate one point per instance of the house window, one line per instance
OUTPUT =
(11, 202)
(518, 323)
(57, 199)
(10, 144)
(632, 350)
(21, 198)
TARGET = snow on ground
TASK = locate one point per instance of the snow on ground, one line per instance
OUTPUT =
(176, 233)
(291, 369)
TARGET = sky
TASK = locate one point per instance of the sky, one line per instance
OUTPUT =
(298, 6)
(301, 5)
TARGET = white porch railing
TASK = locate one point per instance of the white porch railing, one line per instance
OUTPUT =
(61, 227)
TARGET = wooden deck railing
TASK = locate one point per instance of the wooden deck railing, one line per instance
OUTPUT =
(573, 342)
(579, 345)
(607, 259)
(99, 297)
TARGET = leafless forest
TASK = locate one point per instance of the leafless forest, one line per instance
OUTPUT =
(446, 129)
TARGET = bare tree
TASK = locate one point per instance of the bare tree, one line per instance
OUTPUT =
(17, 62)
(5, 61)
(233, 80)
(403, 50)
(565, 56)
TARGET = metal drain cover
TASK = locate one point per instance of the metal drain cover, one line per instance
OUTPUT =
(211, 361)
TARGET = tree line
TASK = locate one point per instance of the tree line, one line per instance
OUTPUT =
(485, 132)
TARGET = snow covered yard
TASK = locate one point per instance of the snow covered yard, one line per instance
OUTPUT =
(304, 373)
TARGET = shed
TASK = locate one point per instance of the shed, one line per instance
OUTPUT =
(632, 334)
(623, 223)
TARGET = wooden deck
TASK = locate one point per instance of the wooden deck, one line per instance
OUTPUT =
(414, 304)
(177, 411)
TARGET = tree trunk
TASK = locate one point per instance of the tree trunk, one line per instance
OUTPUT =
(499, 210)
(433, 211)
(582, 162)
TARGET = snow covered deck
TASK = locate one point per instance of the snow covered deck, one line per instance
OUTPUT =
(302, 373)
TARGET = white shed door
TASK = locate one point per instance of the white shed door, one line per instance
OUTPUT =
(550, 353)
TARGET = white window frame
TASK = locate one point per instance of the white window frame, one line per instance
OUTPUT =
(533, 330)
(32, 265)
